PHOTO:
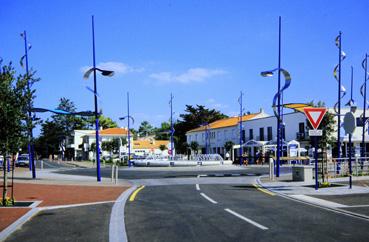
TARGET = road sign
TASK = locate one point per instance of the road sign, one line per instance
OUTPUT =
(349, 123)
(315, 115)
(315, 132)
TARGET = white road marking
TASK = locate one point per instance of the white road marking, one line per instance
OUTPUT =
(318, 201)
(246, 219)
(208, 198)
(197, 187)
(73, 205)
(358, 206)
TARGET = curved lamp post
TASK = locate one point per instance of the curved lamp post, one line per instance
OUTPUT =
(86, 76)
(277, 107)
(128, 117)
(241, 141)
(364, 64)
(171, 126)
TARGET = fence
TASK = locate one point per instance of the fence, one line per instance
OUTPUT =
(340, 167)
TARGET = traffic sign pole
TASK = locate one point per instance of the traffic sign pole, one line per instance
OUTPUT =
(316, 163)
(350, 163)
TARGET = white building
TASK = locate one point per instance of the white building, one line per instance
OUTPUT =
(260, 131)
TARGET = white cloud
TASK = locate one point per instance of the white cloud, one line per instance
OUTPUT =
(216, 105)
(117, 67)
(189, 76)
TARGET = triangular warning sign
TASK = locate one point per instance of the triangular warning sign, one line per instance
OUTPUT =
(315, 115)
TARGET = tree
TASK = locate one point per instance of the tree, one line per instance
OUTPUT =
(146, 128)
(104, 122)
(16, 98)
(228, 145)
(193, 118)
(162, 147)
(162, 133)
(194, 147)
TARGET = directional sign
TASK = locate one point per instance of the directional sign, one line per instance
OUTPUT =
(315, 115)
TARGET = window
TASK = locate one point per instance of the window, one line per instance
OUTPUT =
(251, 133)
(270, 133)
(261, 132)
(243, 136)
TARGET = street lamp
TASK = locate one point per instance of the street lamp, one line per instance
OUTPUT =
(86, 76)
(364, 64)
(241, 141)
(128, 117)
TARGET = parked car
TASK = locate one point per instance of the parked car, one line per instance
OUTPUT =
(23, 160)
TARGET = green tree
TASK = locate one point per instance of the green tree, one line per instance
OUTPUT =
(228, 145)
(162, 147)
(194, 147)
(193, 118)
(16, 97)
(104, 122)
(146, 129)
(163, 132)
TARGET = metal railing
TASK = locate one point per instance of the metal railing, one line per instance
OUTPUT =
(340, 167)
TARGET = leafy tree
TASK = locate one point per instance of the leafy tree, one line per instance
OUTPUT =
(16, 97)
(193, 118)
(163, 133)
(228, 145)
(162, 147)
(146, 128)
(104, 122)
(194, 147)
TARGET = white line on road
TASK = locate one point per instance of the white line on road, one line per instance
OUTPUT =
(246, 219)
(357, 206)
(197, 187)
(208, 198)
(318, 201)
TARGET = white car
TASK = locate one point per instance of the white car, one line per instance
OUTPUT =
(23, 160)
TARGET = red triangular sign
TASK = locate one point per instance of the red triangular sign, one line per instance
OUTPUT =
(315, 115)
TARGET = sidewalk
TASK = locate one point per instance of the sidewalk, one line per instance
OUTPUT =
(285, 185)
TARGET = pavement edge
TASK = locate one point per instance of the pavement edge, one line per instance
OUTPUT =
(117, 227)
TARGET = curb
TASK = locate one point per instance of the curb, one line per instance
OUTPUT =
(336, 210)
(117, 227)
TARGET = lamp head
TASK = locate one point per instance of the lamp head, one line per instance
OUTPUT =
(107, 73)
(266, 73)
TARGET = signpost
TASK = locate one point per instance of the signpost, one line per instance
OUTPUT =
(315, 117)
(349, 124)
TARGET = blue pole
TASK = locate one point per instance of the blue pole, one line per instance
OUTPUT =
(339, 101)
(30, 143)
(96, 108)
(363, 152)
(129, 133)
(241, 148)
(316, 163)
(350, 163)
(171, 126)
(279, 102)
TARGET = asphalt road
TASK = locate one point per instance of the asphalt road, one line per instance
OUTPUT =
(182, 213)
(84, 223)
(157, 173)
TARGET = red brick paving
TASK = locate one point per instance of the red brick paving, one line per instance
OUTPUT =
(10, 215)
(53, 195)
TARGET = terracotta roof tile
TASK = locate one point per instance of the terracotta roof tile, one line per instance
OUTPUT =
(147, 144)
(113, 131)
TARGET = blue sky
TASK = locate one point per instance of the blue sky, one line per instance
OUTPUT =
(205, 52)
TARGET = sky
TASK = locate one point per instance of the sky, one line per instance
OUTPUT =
(204, 52)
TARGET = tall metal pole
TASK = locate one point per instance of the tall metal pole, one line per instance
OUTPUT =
(241, 148)
(279, 101)
(129, 132)
(96, 108)
(171, 127)
(30, 143)
(350, 155)
(339, 100)
(363, 152)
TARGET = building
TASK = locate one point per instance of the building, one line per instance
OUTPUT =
(260, 134)
(145, 147)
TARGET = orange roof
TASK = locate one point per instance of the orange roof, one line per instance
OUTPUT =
(113, 131)
(148, 144)
(226, 122)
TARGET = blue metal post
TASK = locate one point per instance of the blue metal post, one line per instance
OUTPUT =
(129, 133)
(30, 143)
(96, 108)
(241, 148)
(350, 163)
(316, 163)
(363, 152)
(171, 126)
(279, 102)
(339, 101)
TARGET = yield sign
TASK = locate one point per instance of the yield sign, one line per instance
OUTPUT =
(315, 115)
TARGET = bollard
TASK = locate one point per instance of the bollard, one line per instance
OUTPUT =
(116, 174)
(112, 173)
(42, 164)
(271, 169)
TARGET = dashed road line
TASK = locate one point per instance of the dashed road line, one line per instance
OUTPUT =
(197, 187)
(208, 198)
(264, 190)
(134, 194)
(246, 219)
